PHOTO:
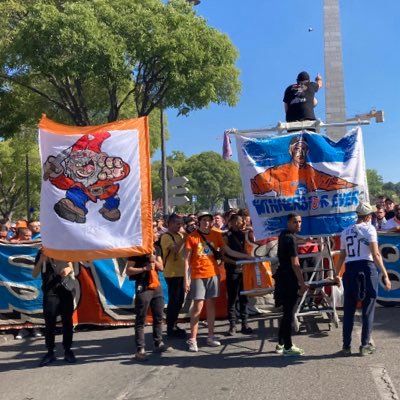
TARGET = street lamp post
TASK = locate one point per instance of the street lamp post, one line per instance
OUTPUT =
(164, 178)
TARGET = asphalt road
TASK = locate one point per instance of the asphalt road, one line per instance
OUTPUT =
(244, 367)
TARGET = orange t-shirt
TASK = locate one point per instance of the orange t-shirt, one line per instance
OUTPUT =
(202, 261)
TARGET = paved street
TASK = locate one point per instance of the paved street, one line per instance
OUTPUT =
(245, 367)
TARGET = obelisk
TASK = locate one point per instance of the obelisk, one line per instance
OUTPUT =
(334, 82)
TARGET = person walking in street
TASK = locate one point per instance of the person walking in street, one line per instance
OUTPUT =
(360, 253)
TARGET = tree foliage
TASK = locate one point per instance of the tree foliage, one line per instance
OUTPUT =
(14, 153)
(375, 184)
(92, 61)
(211, 179)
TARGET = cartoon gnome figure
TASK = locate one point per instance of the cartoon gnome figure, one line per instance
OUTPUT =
(86, 173)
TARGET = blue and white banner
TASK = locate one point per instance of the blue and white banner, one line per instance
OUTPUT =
(389, 246)
(103, 293)
(306, 173)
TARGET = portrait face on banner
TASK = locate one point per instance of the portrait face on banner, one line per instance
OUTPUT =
(306, 173)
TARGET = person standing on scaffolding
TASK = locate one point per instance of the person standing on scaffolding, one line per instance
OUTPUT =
(299, 99)
(359, 250)
(289, 284)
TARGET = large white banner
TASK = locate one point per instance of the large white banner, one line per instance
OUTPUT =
(305, 173)
(96, 192)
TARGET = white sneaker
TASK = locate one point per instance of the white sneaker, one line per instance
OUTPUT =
(192, 345)
(213, 341)
(279, 348)
(21, 334)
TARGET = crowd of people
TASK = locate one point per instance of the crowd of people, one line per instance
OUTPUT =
(189, 250)
(20, 231)
(387, 215)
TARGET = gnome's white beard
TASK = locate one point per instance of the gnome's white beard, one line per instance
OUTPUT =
(85, 181)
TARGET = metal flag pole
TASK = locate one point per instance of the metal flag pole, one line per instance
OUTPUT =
(317, 125)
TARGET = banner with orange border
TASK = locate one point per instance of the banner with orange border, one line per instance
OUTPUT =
(96, 190)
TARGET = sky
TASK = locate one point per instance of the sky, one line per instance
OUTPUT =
(275, 44)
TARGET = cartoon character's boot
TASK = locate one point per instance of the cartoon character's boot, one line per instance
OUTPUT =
(110, 214)
(66, 209)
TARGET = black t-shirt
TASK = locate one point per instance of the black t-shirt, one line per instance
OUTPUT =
(140, 262)
(287, 248)
(236, 241)
(300, 101)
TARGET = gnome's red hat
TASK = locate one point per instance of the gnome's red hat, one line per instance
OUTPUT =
(86, 143)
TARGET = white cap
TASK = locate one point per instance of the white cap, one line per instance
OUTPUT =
(365, 209)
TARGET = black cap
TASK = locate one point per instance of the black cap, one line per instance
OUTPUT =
(303, 76)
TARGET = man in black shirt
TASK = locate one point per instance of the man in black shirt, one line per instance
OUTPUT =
(289, 283)
(299, 100)
(235, 239)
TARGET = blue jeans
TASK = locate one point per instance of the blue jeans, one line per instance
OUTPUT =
(360, 283)
(80, 198)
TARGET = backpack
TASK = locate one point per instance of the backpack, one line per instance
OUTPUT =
(165, 256)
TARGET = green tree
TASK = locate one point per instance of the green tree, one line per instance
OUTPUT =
(93, 61)
(390, 190)
(212, 179)
(375, 184)
(14, 154)
(176, 160)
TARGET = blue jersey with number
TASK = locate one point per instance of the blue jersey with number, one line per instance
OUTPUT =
(355, 240)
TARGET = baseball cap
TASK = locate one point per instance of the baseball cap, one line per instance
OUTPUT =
(21, 224)
(202, 214)
(303, 76)
(365, 209)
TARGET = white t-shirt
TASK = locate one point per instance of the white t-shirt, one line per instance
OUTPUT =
(355, 241)
(392, 223)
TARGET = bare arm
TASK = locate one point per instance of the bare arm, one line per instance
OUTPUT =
(132, 269)
(38, 266)
(376, 255)
(339, 265)
(67, 270)
(236, 254)
(319, 81)
(186, 278)
(159, 264)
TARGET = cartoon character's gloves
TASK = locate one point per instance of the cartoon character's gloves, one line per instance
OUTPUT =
(52, 168)
(114, 168)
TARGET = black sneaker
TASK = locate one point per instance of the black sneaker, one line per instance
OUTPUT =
(246, 329)
(69, 357)
(176, 333)
(161, 348)
(47, 359)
